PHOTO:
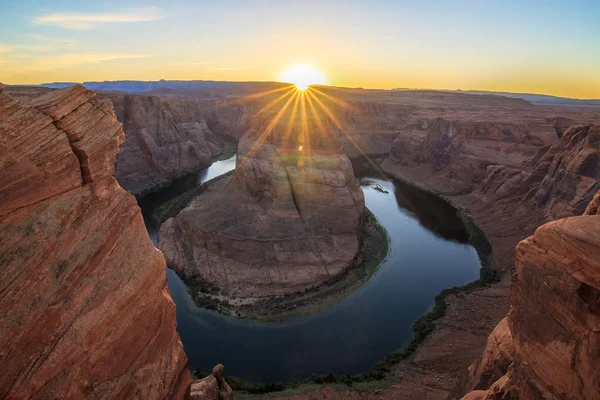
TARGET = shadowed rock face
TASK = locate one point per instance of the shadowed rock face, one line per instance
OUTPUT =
(85, 310)
(561, 178)
(554, 317)
(166, 139)
(462, 146)
(288, 219)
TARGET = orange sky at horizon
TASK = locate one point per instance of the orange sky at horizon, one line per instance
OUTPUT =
(497, 46)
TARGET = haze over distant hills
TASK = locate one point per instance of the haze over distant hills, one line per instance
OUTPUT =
(539, 99)
(133, 86)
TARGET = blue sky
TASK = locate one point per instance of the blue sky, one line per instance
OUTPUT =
(534, 46)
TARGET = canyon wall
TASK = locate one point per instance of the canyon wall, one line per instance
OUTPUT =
(167, 138)
(85, 310)
(552, 328)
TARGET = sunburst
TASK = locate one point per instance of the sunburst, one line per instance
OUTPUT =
(302, 76)
(308, 103)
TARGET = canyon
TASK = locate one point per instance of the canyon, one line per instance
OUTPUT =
(510, 165)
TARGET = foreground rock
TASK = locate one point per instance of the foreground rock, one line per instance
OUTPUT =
(554, 316)
(85, 309)
(213, 387)
(288, 219)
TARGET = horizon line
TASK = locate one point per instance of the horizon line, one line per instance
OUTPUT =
(486, 91)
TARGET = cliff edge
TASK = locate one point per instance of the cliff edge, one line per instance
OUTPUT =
(85, 311)
(550, 340)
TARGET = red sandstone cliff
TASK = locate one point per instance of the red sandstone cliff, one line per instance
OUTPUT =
(167, 138)
(552, 330)
(85, 310)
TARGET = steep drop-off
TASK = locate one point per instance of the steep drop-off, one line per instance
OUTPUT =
(85, 310)
(167, 138)
(553, 325)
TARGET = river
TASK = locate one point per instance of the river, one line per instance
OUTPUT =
(429, 252)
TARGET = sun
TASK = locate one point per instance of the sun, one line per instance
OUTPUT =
(302, 75)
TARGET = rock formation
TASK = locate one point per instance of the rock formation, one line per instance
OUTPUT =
(554, 317)
(463, 147)
(167, 138)
(289, 218)
(213, 387)
(85, 310)
(561, 178)
(487, 178)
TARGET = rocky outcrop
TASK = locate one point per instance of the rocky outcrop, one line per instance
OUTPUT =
(289, 218)
(167, 138)
(555, 315)
(561, 179)
(213, 387)
(462, 148)
(85, 310)
(497, 357)
(503, 163)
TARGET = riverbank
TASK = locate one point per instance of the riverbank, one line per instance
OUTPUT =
(373, 249)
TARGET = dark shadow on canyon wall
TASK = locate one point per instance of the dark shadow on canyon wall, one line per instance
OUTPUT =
(433, 212)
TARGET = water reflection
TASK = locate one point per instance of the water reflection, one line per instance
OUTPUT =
(433, 212)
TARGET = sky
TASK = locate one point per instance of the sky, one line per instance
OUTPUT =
(549, 47)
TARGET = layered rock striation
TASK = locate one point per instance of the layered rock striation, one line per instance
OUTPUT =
(85, 310)
(167, 138)
(288, 219)
(561, 178)
(461, 147)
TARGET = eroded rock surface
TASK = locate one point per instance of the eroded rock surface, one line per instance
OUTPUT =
(213, 387)
(561, 179)
(167, 138)
(85, 310)
(288, 219)
(554, 315)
